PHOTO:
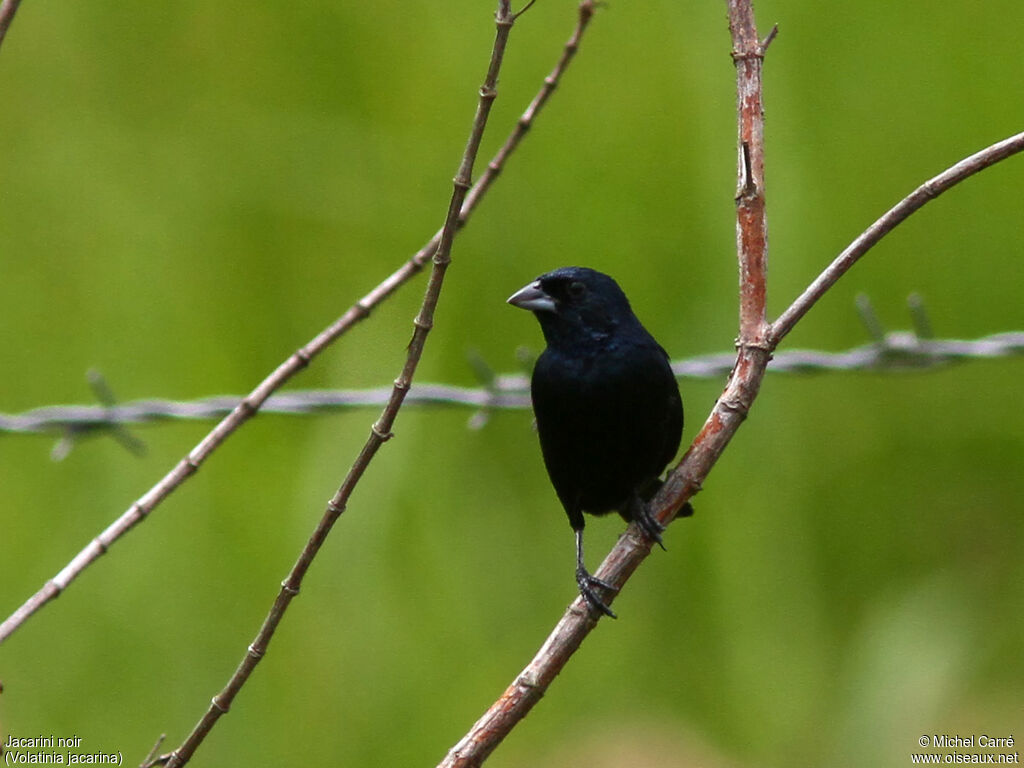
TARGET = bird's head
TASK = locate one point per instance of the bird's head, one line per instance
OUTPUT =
(575, 304)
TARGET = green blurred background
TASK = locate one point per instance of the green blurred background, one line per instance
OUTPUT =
(190, 191)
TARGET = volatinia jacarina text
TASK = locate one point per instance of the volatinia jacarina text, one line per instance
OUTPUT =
(607, 405)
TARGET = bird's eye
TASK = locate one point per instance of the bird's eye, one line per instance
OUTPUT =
(577, 289)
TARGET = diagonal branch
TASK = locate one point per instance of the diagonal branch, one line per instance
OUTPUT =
(381, 429)
(7, 10)
(931, 189)
(245, 409)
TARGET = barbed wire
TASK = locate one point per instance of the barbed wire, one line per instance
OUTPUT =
(897, 351)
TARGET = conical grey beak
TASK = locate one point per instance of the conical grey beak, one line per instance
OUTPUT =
(533, 298)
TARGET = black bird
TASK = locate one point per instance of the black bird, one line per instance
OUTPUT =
(608, 409)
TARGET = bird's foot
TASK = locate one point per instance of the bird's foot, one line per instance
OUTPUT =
(586, 583)
(647, 522)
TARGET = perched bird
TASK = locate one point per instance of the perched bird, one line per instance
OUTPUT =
(608, 409)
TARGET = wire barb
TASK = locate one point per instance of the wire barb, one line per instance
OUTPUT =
(869, 317)
(919, 316)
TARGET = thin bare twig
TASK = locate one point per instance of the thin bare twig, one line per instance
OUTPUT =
(7, 10)
(895, 351)
(885, 224)
(380, 432)
(525, 122)
(154, 751)
(242, 410)
(752, 358)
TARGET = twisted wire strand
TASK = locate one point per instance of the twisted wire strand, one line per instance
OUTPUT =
(897, 351)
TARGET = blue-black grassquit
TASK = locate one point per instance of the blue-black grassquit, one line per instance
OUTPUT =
(607, 404)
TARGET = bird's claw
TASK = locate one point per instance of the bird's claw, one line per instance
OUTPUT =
(649, 524)
(586, 583)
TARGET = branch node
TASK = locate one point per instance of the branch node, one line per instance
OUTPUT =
(755, 55)
(382, 434)
(762, 345)
(528, 679)
(54, 587)
(222, 708)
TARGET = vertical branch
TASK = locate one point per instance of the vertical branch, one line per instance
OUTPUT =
(752, 349)
(380, 432)
(751, 224)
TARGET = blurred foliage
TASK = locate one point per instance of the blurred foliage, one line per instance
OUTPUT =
(190, 191)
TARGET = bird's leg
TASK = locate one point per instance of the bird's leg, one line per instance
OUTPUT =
(638, 512)
(587, 582)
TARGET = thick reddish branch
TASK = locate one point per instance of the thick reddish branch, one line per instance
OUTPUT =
(751, 224)
(752, 256)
